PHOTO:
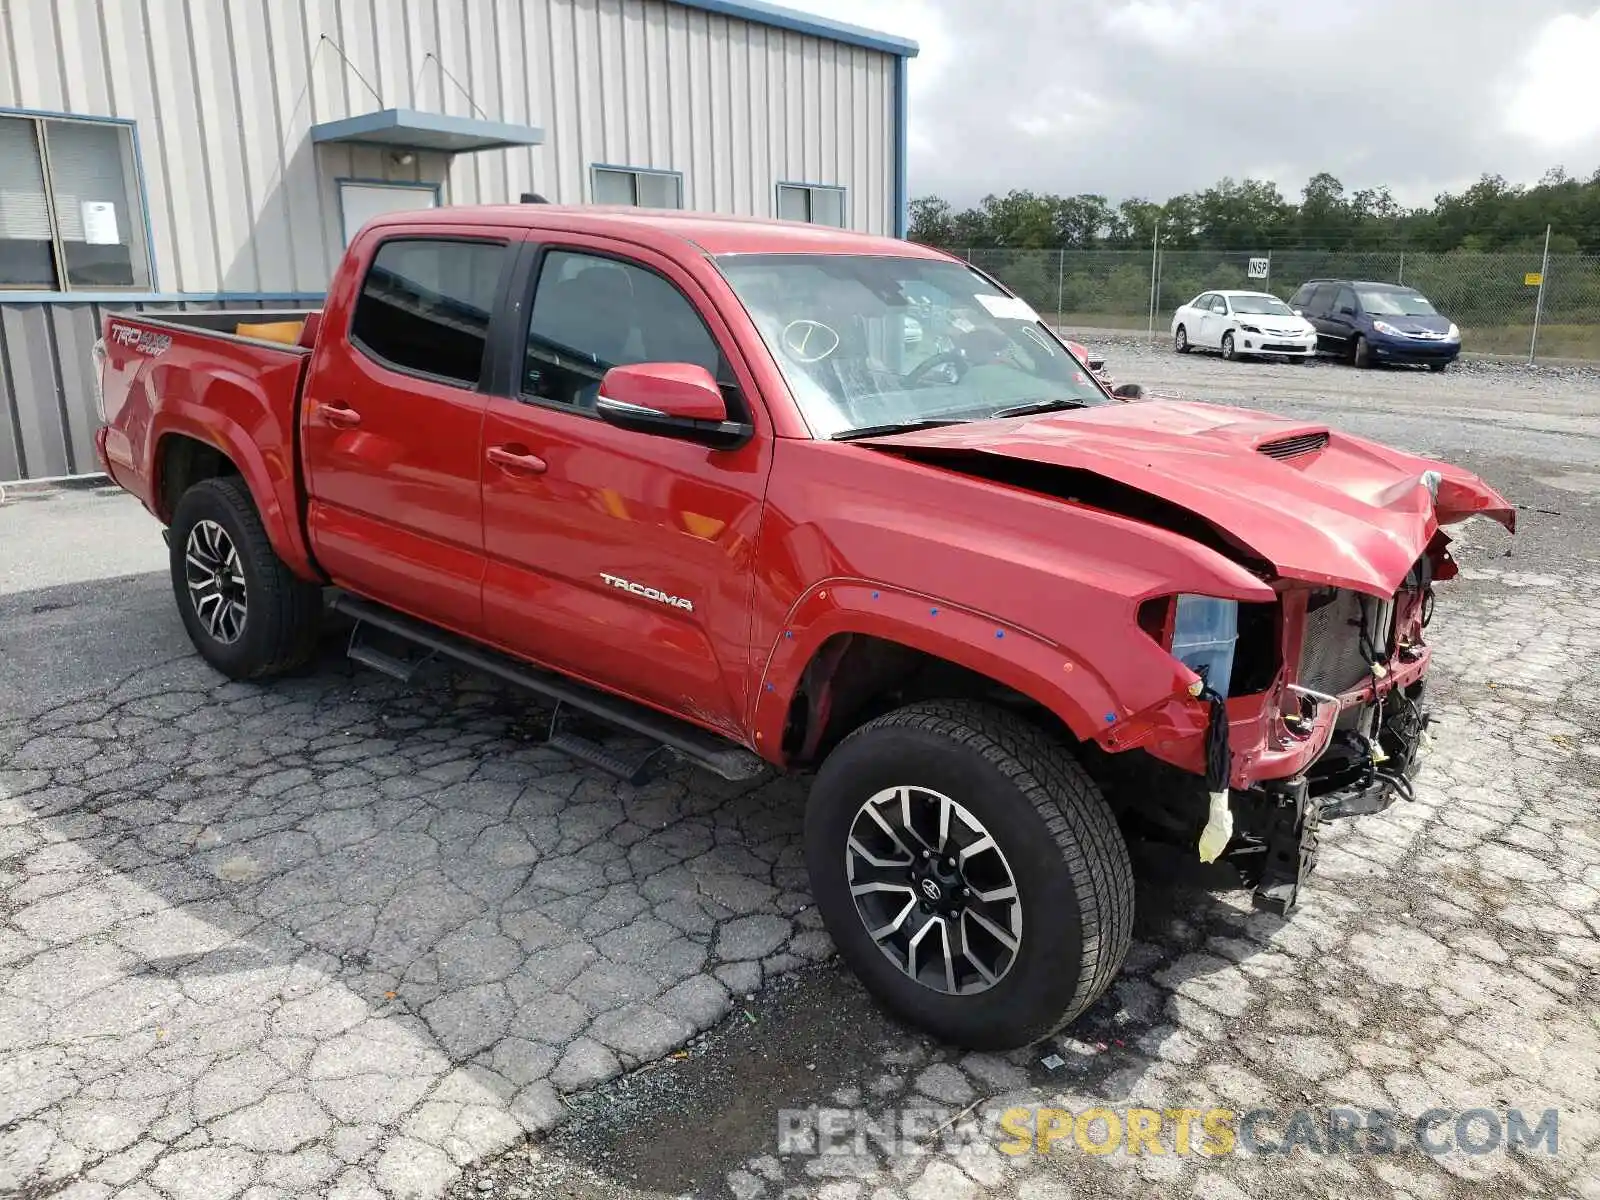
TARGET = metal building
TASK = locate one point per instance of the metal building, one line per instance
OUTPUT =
(219, 153)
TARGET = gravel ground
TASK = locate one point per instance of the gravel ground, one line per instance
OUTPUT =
(339, 937)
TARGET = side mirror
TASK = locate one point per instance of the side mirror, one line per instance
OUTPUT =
(1299, 312)
(1128, 391)
(678, 400)
(1346, 311)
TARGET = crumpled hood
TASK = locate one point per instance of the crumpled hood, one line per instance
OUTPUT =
(1319, 505)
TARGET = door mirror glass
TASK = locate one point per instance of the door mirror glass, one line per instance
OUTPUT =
(669, 399)
(1346, 311)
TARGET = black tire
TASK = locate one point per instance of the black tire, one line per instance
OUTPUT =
(1180, 340)
(1362, 354)
(282, 611)
(1436, 367)
(1067, 856)
(1228, 350)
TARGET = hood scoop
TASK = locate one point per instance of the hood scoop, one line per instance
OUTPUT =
(1298, 446)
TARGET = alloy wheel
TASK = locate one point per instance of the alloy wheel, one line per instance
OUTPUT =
(215, 578)
(934, 890)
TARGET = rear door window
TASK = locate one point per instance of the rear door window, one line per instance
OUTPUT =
(425, 306)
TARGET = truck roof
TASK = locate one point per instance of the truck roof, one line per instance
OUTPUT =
(711, 233)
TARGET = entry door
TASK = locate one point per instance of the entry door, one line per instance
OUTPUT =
(392, 424)
(360, 202)
(576, 510)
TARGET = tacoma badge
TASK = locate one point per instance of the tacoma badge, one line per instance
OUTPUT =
(649, 593)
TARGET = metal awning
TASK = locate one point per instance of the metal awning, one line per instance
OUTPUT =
(412, 130)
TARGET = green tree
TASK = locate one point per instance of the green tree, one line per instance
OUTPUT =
(1252, 214)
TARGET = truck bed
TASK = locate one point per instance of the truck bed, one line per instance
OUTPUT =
(180, 383)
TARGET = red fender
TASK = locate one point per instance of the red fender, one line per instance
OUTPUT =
(1018, 658)
(237, 418)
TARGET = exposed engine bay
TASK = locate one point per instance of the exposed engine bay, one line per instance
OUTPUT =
(1350, 642)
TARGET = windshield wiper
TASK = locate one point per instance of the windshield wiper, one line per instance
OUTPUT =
(1038, 406)
(897, 427)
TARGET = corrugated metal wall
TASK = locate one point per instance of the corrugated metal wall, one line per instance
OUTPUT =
(48, 415)
(225, 93)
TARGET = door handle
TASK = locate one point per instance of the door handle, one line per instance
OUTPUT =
(516, 460)
(340, 414)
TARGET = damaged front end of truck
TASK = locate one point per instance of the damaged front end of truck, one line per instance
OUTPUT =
(1303, 711)
(1292, 712)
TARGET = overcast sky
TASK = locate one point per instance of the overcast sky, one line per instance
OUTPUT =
(1155, 97)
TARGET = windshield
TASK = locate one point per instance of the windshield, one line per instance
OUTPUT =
(1396, 304)
(1266, 306)
(867, 341)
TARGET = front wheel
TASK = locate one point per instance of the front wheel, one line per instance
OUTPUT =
(1180, 340)
(1228, 350)
(1363, 352)
(244, 610)
(969, 872)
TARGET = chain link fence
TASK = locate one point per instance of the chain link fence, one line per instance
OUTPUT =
(1492, 297)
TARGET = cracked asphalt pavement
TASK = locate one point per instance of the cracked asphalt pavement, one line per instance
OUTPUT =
(338, 936)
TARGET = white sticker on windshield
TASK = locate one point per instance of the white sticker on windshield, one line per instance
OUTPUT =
(1007, 308)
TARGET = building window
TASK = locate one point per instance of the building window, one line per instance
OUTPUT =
(820, 204)
(425, 306)
(642, 189)
(71, 216)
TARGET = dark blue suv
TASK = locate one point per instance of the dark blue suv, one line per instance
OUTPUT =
(1368, 323)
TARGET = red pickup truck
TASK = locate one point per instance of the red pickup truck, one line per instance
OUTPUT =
(764, 493)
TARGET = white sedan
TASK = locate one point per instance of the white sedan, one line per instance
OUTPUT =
(1241, 323)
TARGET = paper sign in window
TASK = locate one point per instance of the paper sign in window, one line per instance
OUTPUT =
(1007, 308)
(100, 223)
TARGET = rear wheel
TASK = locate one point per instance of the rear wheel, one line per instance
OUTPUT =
(244, 610)
(1362, 356)
(1180, 340)
(1227, 347)
(970, 872)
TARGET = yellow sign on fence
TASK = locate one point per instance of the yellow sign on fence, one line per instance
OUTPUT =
(1532, 279)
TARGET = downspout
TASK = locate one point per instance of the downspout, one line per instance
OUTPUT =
(901, 198)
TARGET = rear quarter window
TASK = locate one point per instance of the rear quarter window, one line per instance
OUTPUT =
(425, 306)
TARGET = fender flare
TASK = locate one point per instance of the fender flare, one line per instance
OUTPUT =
(271, 482)
(1018, 658)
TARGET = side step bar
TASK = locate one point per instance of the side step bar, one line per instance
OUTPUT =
(701, 747)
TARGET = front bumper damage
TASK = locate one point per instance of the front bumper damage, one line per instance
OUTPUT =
(1339, 733)
(1359, 773)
